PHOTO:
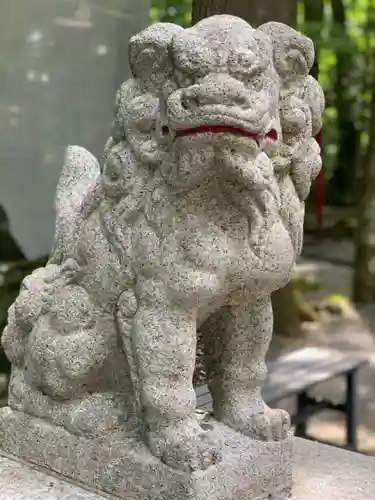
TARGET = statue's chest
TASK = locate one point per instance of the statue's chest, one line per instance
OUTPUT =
(237, 257)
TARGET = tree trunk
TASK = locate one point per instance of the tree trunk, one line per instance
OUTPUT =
(313, 22)
(341, 186)
(367, 83)
(364, 270)
(314, 18)
(256, 12)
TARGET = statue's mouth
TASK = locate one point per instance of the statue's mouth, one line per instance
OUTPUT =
(227, 129)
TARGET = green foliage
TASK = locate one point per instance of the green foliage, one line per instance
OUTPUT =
(337, 299)
(171, 11)
(306, 284)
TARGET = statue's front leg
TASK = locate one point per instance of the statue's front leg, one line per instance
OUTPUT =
(164, 343)
(236, 342)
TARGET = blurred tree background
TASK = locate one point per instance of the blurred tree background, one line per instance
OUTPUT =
(343, 32)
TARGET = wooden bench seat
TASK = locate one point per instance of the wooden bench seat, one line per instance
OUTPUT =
(295, 374)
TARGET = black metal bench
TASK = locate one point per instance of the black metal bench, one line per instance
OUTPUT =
(295, 374)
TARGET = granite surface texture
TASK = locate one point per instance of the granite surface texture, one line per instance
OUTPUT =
(188, 224)
(324, 472)
(122, 466)
(351, 476)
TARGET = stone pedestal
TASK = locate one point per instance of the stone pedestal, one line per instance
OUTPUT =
(122, 466)
(350, 476)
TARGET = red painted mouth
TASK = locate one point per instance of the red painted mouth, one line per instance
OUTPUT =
(226, 129)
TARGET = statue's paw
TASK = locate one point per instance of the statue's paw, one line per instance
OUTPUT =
(187, 448)
(270, 425)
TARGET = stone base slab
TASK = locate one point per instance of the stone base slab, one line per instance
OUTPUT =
(350, 476)
(124, 467)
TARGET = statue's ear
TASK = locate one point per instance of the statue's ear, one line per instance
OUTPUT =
(149, 55)
(293, 53)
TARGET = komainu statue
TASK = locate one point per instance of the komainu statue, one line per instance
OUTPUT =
(193, 217)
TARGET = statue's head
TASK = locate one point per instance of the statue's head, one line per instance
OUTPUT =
(204, 92)
(223, 101)
(223, 79)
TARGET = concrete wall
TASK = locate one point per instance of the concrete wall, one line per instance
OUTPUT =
(61, 62)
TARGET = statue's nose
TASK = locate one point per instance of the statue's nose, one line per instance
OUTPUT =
(216, 90)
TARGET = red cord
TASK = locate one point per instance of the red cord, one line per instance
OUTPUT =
(217, 129)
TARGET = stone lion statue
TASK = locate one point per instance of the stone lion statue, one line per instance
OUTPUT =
(191, 220)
